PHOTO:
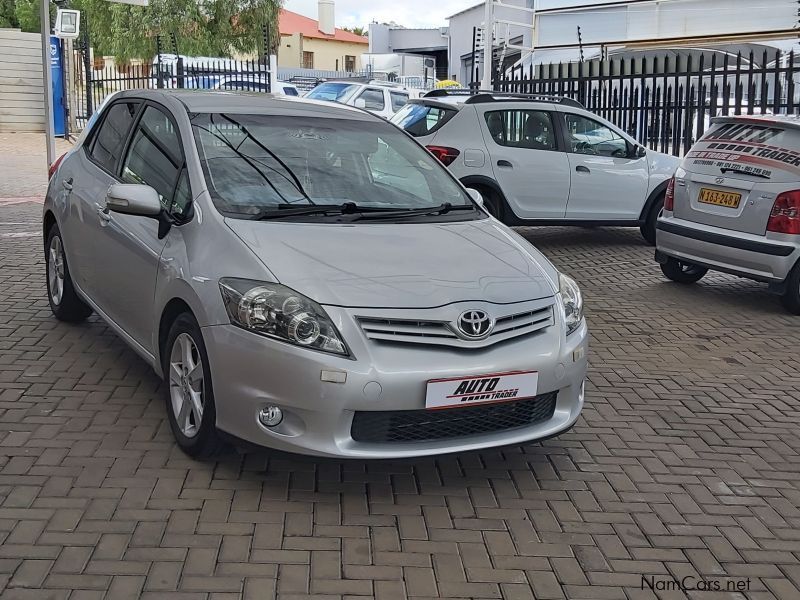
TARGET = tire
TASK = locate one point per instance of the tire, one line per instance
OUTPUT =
(682, 272)
(791, 297)
(64, 300)
(189, 392)
(492, 202)
(649, 228)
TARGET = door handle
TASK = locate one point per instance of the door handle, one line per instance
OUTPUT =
(102, 212)
(67, 183)
(504, 163)
(582, 169)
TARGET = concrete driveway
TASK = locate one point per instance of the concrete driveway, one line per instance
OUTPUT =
(684, 470)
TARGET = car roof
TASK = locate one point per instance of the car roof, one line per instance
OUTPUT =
(235, 102)
(457, 103)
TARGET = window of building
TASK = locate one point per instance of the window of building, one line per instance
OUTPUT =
(349, 63)
(308, 60)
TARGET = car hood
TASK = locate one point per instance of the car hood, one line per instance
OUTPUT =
(408, 265)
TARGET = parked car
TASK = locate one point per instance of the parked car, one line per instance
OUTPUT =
(250, 83)
(376, 97)
(734, 206)
(306, 277)
(541, 159)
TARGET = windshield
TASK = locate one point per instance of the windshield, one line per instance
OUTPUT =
(256, 163)
(422, 119)
(334, 92)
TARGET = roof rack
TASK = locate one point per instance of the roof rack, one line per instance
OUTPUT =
(481, 96)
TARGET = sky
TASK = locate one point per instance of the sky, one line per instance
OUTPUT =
(410, 13)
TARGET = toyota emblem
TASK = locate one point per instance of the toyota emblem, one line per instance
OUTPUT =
(475, 324)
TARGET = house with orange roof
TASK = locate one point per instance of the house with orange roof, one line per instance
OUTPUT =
(318, 44)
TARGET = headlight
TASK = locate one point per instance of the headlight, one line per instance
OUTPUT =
(572, 300)
(279, 312)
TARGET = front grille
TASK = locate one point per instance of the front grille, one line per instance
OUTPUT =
(441, 333)
(433, 425)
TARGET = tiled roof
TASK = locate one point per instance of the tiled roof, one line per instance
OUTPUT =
(291, 23)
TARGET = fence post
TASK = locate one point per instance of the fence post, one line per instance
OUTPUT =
(87, 67)
(180, 72)
(159, 72)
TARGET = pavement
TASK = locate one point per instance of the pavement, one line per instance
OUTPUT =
(683, 471)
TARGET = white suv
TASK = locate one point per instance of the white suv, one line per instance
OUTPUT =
(541, 159)
(380, 99)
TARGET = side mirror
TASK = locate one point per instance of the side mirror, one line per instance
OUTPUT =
(360, 103)
(639, 151)
(476, 196)
(133, 199)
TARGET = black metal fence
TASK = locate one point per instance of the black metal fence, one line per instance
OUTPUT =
(95, 82)
(666, 101)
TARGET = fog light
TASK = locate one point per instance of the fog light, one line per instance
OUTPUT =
(270, 416)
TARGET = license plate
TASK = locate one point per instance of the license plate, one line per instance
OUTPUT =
(481, 389)
(719, 198)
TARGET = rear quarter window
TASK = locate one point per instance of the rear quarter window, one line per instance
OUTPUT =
(422, 119)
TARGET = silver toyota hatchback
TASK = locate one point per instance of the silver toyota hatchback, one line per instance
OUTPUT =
(306, 277)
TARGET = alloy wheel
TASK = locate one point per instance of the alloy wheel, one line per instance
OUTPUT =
(55, 269)
(186, 385)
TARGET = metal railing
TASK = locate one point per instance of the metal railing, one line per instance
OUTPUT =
(667, 101)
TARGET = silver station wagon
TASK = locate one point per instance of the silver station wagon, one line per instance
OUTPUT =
(306, 277)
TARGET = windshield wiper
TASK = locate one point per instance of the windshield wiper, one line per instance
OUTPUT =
(280, 211)
(413, 212)
(743, 172)
(292, 210)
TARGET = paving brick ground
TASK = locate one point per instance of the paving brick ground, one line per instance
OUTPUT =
(685, 464)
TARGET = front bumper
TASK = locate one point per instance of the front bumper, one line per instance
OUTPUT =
(752, 256)
(250, 372)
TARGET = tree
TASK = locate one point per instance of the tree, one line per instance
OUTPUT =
(207, 28)
(8, 14)
(357, 30)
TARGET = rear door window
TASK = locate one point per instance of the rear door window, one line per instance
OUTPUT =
(109, 140)
(421, 119)
(531, 129)
(399, 100)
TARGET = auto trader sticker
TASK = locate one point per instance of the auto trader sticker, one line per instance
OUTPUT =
(481, 389)
(744, 143)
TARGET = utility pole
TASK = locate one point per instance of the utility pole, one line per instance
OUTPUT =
(488, 45)
(47, 79)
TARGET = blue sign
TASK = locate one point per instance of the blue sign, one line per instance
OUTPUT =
(59, 100)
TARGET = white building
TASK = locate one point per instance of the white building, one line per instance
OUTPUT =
(615, 26)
